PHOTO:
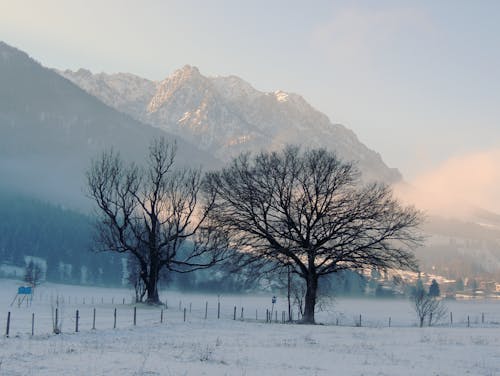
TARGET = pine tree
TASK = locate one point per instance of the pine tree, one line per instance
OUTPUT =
(434, 288)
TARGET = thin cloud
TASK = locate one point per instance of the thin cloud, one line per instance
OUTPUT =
(457, 185)
(357, 34)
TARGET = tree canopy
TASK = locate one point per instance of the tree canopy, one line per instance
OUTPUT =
(308, 209)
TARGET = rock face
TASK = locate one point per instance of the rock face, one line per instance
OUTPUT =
(226, 115)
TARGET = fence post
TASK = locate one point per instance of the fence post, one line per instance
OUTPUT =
(161, 316)
(241, 313)
(276, 316)
(360, 322)
(93, 321)
(32, 324)
(482, 318)
(218, 310)
(114, 319)
(77, 316)
(206, 310)
(468, 321)
(135, 316)
(184, 314)
(56, 326)
(451, 318)
(256, 315)
(234, 315)
(389, 321)
(123, 301)
(267, 315)
(8, 325)
(430, 319)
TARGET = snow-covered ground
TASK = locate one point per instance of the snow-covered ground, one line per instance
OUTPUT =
(225, 346)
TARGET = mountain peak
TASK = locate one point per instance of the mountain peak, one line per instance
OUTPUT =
(185, 73)
(227, 116)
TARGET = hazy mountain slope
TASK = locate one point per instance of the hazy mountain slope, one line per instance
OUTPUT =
(50, 129)
(226, 115)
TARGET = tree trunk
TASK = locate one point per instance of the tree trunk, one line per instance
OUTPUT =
(152, 284)
(152, 291)
(310, 300)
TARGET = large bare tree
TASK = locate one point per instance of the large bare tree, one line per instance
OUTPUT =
(149, 212)
(307, 210)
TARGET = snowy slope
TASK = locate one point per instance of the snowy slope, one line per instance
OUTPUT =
(200, 346)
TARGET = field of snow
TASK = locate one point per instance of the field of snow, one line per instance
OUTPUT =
(224, 346)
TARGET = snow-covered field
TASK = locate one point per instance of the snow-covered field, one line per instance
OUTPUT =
(224, 346)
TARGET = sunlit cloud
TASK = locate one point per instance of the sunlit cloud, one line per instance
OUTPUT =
(457, 185)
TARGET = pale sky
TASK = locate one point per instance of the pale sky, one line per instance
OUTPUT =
(419, 81)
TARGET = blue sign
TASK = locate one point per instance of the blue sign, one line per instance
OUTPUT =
(24, 290)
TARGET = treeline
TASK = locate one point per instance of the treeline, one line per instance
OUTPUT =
(63, 239)
(60, 237)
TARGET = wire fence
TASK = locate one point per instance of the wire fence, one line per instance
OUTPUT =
(47, 314)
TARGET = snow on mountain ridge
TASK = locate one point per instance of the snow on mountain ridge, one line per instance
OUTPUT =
(226, 115)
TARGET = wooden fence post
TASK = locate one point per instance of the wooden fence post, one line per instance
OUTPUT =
(451, 318)
(206, 310)
(114, 319)
(218, 310)
(468, 321)
(161, 316)
(184, 314)
(32, 324)
(77, 317)
(56, 326)
(241, 313)
(389, 321)
(93, 321)
(135, 316)
(234, 315)
(8, 325)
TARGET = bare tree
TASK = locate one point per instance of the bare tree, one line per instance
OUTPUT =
(150, 212)
(33, 274)
(427, 306)
(307, 210)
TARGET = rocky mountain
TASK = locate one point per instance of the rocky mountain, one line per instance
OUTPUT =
(226, 115)
(50, 129)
